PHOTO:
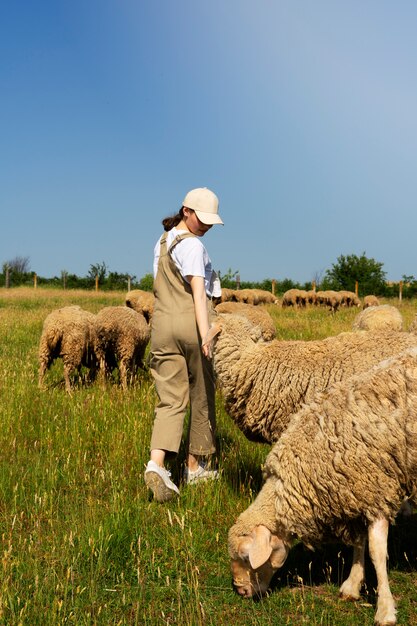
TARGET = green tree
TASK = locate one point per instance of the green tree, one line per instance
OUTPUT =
(98, 269)
(18, 271)
(228, 279)
(351, 268)
(146, 282)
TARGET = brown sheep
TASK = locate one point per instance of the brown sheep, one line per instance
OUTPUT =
(142, 302)
(382, 317)
(341, 470)
(258, 316)
(121, 337)
(349, 298)
(370, 301)
(294, 297)
(67, 333)
(264, 383)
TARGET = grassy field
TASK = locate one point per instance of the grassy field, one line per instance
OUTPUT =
(83, 543)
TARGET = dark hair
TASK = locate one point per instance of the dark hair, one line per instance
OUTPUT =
(169, 222)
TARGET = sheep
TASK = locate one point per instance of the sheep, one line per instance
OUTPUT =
(255, 314)
(262, 296)
(340, 471)
(227, 295)
(67, 333)
(331, 299)
(294, 297)
(311, 296)
(264, 383)
(370, 301)
(349, 298)
(382, 317)
(121, 337)
(141, 301)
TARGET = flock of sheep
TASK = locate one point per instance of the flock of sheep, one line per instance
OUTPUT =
(340, 413)
(329, 298)
(116, 336)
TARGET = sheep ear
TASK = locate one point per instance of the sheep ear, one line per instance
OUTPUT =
(279, 552)
(260, 550)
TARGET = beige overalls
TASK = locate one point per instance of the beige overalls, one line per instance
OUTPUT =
(180, 370)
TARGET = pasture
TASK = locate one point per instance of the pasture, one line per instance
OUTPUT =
(83, 543)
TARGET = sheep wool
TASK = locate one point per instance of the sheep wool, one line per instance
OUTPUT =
(370, 300)
(121, 337)
(382, 317)
(257, 315)
(141, 301)
(366, 432)
(264, 383)
(67, 333)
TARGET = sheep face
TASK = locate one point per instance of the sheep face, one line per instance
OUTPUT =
(257, 557)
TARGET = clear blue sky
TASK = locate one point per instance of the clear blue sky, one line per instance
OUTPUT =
(300, 115)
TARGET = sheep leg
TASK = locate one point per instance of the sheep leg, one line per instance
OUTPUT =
(102, 369)
(42, 369)
(378, 540)
(123, 369)
(67, 379)
(350, 589)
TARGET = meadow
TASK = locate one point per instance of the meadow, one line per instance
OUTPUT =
(83, 543)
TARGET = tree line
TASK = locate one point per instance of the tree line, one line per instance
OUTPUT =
(347, 272)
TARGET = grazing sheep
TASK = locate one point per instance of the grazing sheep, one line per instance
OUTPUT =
(67, 333)
(264, 383)
(121, 337)
(311, 296)
(382, 317)
(141, 301)
(261, 296)
(294, 297)
(331, 299)
(370, 301)
(256, 315)
(227, 295)
(349, 298)
(340, 471)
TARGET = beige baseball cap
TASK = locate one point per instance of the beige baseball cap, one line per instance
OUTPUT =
(205, 203)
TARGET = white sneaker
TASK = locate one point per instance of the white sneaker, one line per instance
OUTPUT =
(200, 474)
(158, 480)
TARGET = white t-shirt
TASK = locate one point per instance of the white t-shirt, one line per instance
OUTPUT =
(192, 259)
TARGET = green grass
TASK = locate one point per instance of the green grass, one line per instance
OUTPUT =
(82, 542)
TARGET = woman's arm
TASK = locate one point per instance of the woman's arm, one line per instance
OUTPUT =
(201, 311)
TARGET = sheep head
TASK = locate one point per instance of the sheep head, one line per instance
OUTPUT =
(235, 325)
(254, 560)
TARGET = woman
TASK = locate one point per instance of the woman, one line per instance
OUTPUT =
(180, 352)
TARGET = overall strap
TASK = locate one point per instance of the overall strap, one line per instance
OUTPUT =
(163, 243)
(177, 239)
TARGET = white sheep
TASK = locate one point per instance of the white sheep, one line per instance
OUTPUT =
(257, 315)
(341, 470)
(67, 333)
(264, 383)
(382, 317)
(121, 337)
